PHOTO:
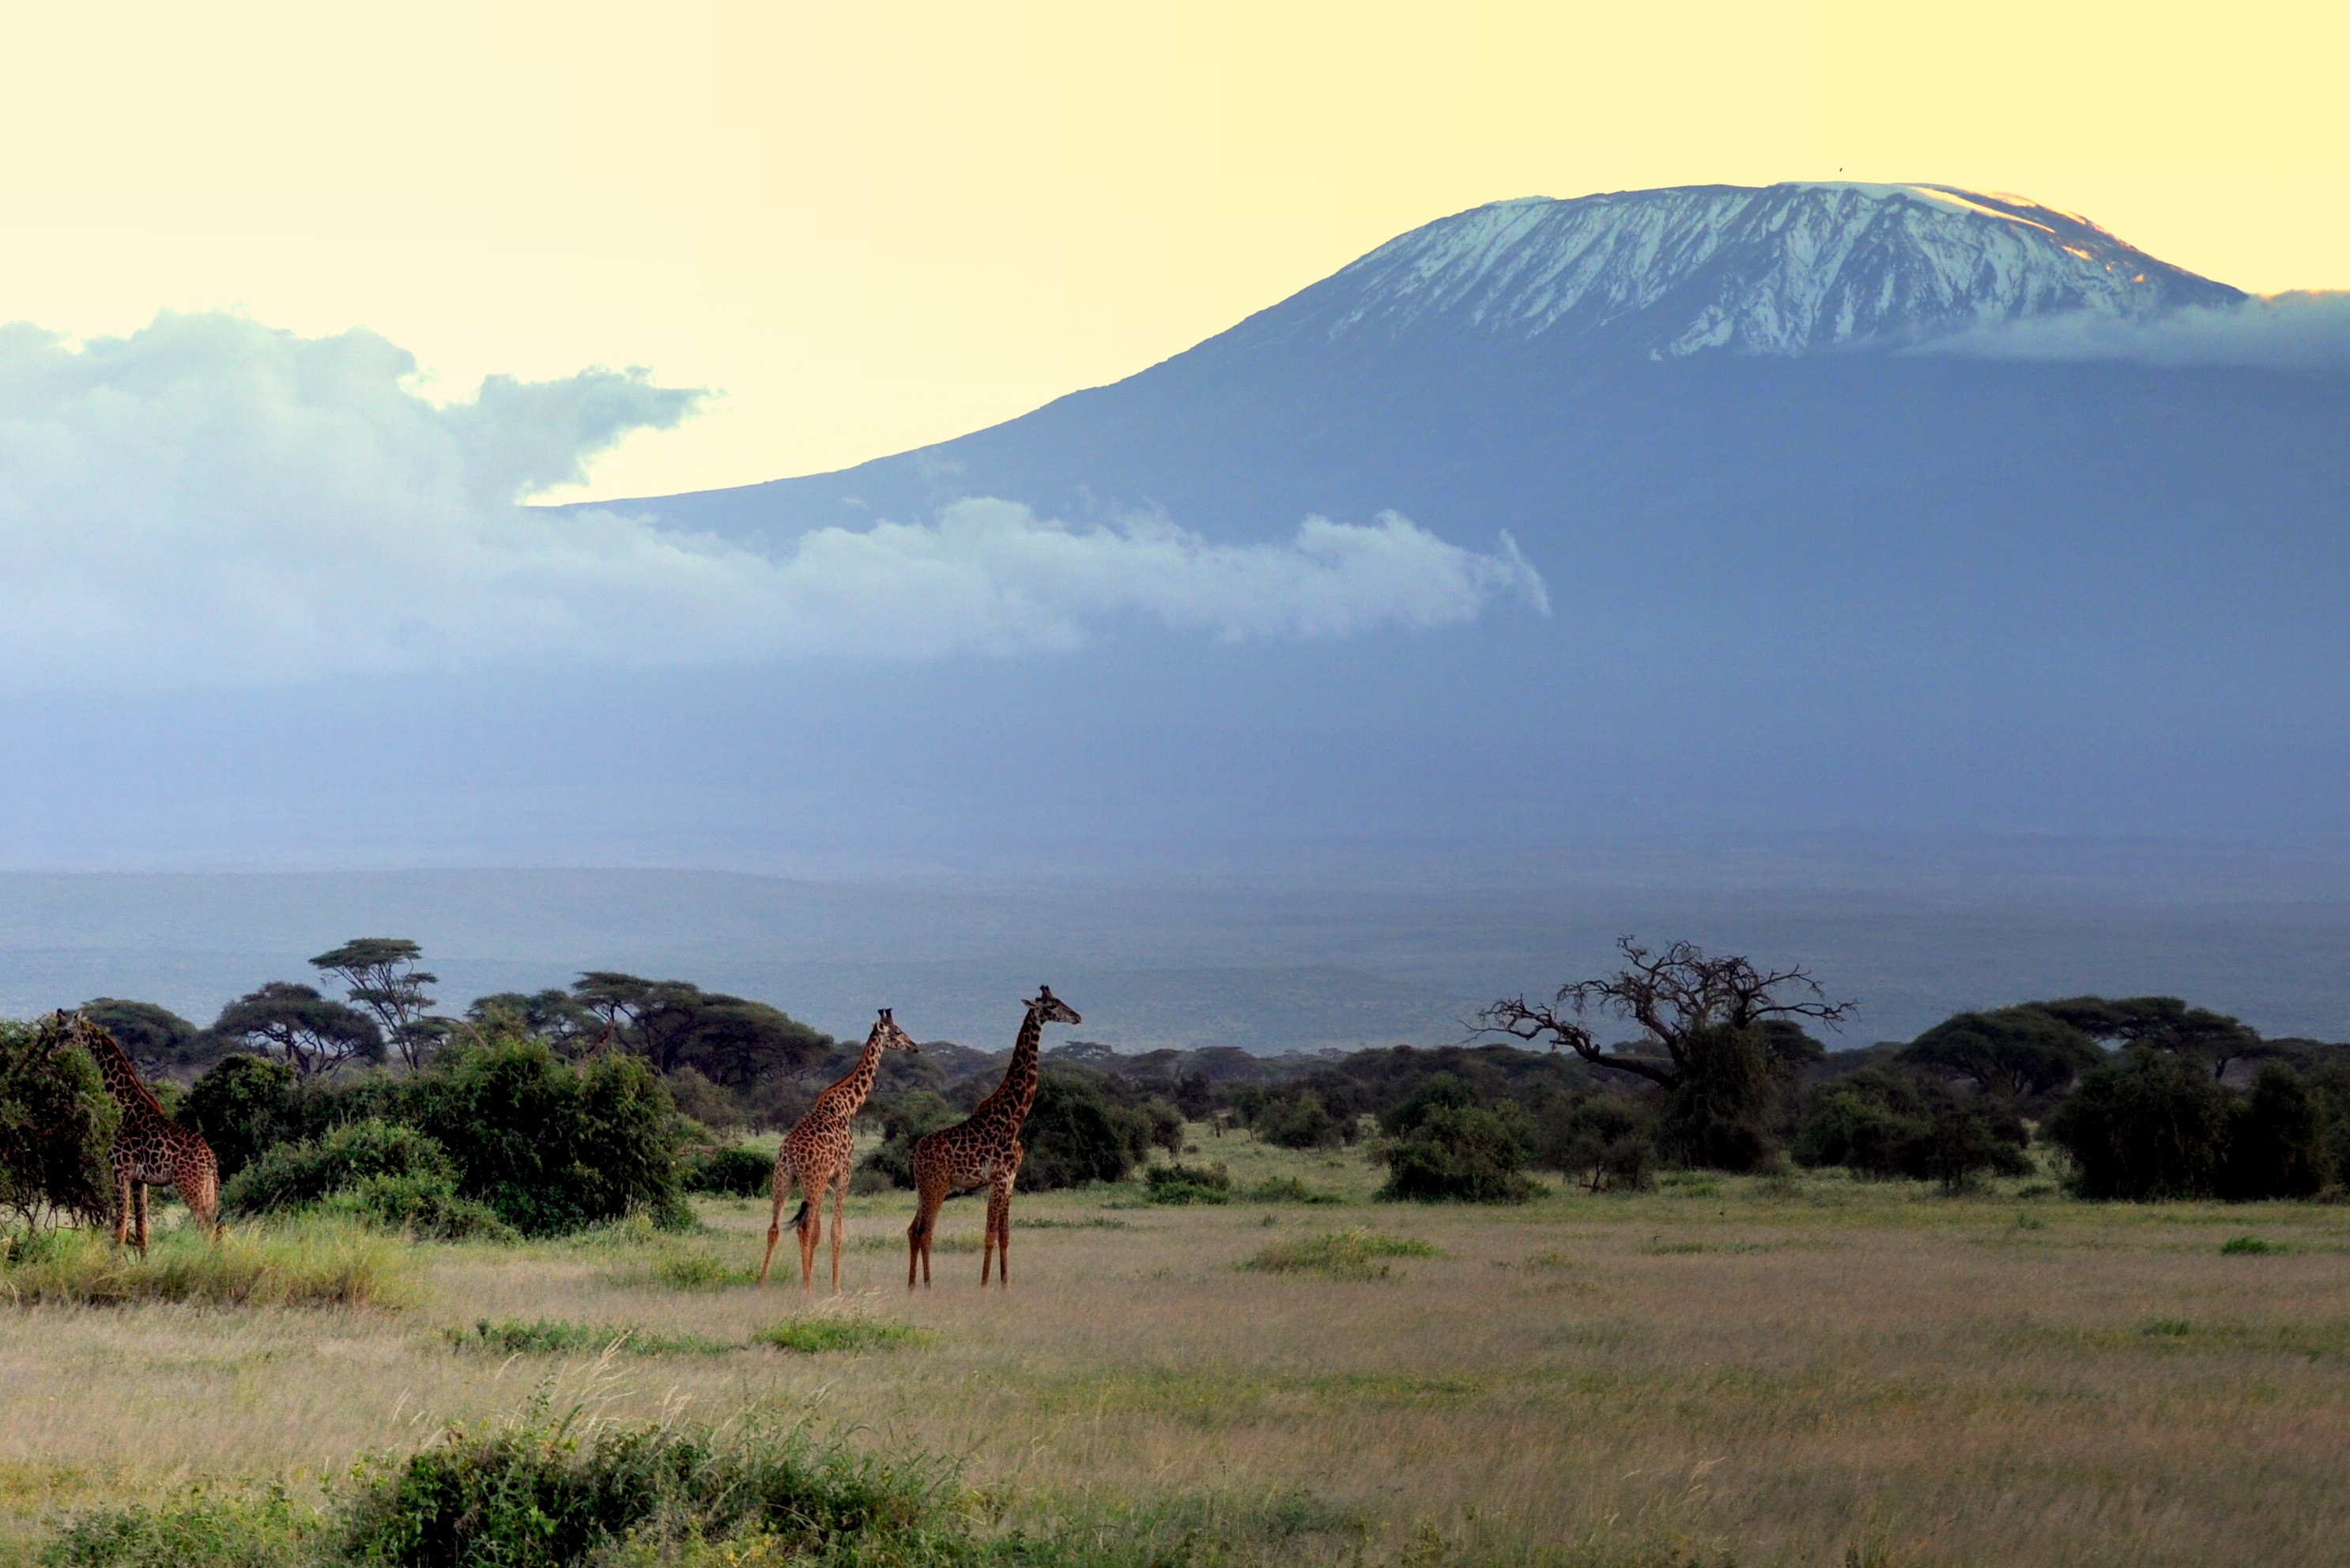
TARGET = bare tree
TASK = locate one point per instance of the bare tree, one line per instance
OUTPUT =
(1681, 999)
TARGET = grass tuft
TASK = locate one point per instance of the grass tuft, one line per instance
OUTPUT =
(1289, 1189)
(553, 1336)
(1350, 1254)
(819, 1335)
(313, 1261)
(699, 1272)
(2239, 1246)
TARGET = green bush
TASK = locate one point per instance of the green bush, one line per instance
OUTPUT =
(1720, 1117)
(200, 1529)
(549, 1145)
(293, 1174)
(1436, 1092)
(1299, 1120)
(1076, 1132)
(1288, 1190)
(2154, 1126)
(426, 1207)
(56, 1129)
(1179, 1183)
(904, 1118)
(1607, 1141)
(1892, 1124)
(729, 1173)
(555, 1491)
(236, 1107)
(2277, 1139)
(1467, 1153)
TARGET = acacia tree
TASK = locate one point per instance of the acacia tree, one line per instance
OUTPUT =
(2012, 1052)
(675, 1024)
(1718, 1034)
(2164, 1023)
(381, 975)
(152, 1035)
(312, 1033)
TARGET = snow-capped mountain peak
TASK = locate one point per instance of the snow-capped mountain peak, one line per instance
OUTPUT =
(1785, 269)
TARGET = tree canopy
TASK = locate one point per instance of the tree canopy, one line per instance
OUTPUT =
(381, 977)
(2012, 1051)
(2163, 1024)
(312, 1033)
(151, 1036)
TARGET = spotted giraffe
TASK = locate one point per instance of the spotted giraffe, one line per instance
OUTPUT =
(816, 1154)
(983, 1150)
(149, 1147)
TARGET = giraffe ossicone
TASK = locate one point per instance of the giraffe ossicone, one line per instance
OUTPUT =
(983, 1150)
(816, 1154)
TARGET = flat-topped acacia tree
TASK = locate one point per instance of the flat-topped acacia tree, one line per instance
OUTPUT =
(383, 977)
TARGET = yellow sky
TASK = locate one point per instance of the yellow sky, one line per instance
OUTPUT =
(877, 225)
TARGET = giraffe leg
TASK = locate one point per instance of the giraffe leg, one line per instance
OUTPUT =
(142, 1218)
(809, 1223)
(999, 1231)
(121, 1207)
(927, 1199)
(782, 1185)
(839, 1197)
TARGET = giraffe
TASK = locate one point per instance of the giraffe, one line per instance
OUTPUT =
(149, 1147)
(815, 1153)
(984, 1149)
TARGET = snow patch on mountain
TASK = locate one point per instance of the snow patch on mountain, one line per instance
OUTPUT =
(1785, 269)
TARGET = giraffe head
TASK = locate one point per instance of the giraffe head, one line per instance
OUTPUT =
(890, 1036)
(1051, 1009)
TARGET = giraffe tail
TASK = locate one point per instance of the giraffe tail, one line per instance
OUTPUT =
(799, 1220)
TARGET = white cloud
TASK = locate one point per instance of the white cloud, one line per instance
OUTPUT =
(2306, 331)
(209, 500)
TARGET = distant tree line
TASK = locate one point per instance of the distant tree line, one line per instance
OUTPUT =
(1678, 1059)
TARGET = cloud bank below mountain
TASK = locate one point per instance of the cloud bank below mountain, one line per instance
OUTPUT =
(211, 501)
(2298, 331)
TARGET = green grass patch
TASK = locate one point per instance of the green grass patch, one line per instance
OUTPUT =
(1188, 1184)
(1350, 1254)
(553, 1336)
(822, 1335)
(698, 1271)
(1288, 1190)
(961, 1241)
(313, 1261)
(197, 1529)
(2250, 1246)
(568, 1492)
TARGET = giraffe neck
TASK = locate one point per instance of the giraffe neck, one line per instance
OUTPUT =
(123, 1080)
(845, 1098)
(1018, 1093)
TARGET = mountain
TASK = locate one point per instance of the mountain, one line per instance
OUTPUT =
(1820, 558)
(1812, 566)
(1791, 269)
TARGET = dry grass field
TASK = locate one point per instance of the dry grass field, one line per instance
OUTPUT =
(1800, 1371)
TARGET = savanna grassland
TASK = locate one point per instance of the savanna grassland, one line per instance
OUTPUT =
(1799, 1370)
